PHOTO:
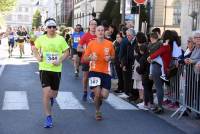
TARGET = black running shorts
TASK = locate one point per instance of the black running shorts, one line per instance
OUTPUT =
(50, 79)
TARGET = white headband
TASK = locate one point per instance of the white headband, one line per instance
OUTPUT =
(50, 23)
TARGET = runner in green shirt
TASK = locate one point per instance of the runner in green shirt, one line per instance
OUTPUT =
(50, 50)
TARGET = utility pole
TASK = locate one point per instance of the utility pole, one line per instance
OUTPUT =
(165, 14)
(123, 2)
(73, 13)
(56, 12)
(85, 13)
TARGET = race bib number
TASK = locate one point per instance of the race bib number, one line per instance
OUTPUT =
(11, 36)
(76, 39)
(94, 81)
(50, 57)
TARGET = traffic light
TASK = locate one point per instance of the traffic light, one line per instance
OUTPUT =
(135, 8)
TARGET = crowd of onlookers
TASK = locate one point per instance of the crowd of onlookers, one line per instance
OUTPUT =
(143, 60)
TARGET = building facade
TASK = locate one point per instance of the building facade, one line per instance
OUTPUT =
(190, 19)
(67, 12)
(166, 14)
(54, 9)
(21, 15)
(83, 10)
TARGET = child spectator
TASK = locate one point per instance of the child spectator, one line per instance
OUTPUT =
(154, 46)
(143, 69)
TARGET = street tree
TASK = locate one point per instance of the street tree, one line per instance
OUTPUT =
(37, 19)
(106, 13)
(7, 5)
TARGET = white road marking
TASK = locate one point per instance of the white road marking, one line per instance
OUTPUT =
(119, 103)
(37, 73)
(66, 100)
(15, 100)
(2, 67)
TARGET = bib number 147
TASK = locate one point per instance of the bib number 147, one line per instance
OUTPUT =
(94, 81)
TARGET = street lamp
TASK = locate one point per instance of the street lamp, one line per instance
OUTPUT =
(56, 4)
(86, 8)
(123, 2)
(165, 14)
(46, 14)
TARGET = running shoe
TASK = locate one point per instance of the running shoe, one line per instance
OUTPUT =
(76, 73)
(84, 98)
(98, 116)
(48, 122)
(91, 96)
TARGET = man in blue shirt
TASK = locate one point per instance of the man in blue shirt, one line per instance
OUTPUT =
(75, 41)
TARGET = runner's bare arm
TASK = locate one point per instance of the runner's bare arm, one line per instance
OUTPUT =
(80, 48)
(37, 54)
(62, 58)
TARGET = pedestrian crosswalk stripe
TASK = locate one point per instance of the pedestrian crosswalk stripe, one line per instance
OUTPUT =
(2, 67)
(119, 103)
(15, 100)
(66, 100)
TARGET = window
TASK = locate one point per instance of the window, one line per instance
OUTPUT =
(26, 9)
(177, 16)
(20, 18)
(194, 13)
(20, 9)
(9, 17)
(26, 18)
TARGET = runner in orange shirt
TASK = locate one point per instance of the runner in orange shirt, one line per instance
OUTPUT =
(99, 53)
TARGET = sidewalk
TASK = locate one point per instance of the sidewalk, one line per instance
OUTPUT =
(3, 53)
(188, 124)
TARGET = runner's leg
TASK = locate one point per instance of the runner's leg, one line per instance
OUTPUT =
(97, 98)
(46, 98)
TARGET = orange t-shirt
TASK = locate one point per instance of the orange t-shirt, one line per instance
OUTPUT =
(100, 50)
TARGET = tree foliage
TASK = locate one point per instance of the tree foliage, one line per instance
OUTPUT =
(111, 12)
(115, 14)
(36, 19)
(7, 5)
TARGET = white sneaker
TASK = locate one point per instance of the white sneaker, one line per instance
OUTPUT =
(123, 95)
(142, 106)
(164, 78)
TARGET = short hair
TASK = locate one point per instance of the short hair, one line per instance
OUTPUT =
(131, 31)
(78, 25)
(154, 35)
(196, 33)
(156, 30)
(141, 37)
(120, 34)
(93, 20)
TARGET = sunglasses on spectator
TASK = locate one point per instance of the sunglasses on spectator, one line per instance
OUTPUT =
(54, 27)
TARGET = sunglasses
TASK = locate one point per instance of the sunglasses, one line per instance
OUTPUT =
(54, 27)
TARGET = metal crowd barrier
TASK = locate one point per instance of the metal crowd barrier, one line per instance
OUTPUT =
(185, 89)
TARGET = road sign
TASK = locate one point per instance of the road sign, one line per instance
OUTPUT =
(139, 1)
